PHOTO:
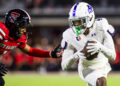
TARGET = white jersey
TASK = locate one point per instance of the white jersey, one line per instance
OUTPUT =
(100, 31)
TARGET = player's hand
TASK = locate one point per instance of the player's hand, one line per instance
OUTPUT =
(94, 47)
(3, 69)
(57, 52)
(78, 55)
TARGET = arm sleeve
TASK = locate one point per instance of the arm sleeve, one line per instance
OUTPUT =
(108, 49)
(67, 57)
(33, 51)
(38, 53)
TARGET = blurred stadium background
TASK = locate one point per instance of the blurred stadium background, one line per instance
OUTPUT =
(50, 19)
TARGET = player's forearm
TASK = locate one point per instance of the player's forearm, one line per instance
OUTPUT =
(38, 53)
(109, 53)
(67, 63)
(108, 48)
(67, 59)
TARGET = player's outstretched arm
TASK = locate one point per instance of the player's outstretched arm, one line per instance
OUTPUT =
(41, 53)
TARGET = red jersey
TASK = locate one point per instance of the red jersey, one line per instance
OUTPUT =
(7, 43)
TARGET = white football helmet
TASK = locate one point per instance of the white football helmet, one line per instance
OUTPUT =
(84, 13)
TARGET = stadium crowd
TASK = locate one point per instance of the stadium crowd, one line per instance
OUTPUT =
(53, 6)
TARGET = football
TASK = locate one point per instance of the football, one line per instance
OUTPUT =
(88, 55)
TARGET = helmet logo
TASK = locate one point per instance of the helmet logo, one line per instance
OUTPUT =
(14, 16)
(89, 9)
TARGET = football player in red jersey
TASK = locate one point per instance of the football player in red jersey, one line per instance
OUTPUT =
(13, 34)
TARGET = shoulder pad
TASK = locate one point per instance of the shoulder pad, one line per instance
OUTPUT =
(102, 23)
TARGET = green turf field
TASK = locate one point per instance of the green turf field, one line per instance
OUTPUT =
(53, 80)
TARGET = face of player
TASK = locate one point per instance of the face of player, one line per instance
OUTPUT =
(77, 23)
(22, 30)
(79, 26)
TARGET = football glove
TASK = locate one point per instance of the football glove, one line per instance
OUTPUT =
(57, 52)
(94, 47)
(3, 69)
(79, 55)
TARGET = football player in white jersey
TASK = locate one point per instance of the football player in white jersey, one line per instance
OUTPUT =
(83, 28)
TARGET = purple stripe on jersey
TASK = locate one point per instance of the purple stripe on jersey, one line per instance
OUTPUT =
(75, 7)
(111, 33)
(65, 45)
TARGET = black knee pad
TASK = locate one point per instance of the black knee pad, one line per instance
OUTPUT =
(2, 82)
(101, 81)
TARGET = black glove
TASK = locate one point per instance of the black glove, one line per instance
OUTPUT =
(3, 69)
(57, 52)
